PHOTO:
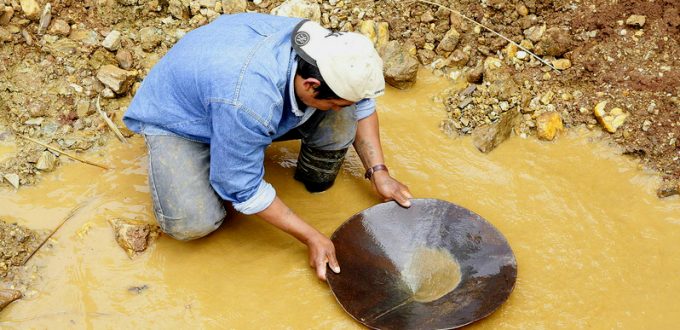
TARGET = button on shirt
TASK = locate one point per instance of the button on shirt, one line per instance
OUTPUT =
(228, 84)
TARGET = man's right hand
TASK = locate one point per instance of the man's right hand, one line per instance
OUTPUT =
(322, 252)
(321, 249)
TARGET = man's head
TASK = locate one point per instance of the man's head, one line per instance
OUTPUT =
(335, 68)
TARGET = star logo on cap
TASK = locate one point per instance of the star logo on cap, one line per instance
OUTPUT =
(301, 38)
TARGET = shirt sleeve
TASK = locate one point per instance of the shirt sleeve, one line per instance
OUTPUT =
(237, 150)
(365, 108)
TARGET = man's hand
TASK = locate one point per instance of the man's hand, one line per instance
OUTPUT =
(322, 252)
(391, 189)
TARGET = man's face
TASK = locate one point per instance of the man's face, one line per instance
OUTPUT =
(304, 89)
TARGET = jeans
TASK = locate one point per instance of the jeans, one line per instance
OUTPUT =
(186, 206)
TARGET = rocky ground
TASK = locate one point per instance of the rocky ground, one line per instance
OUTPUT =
(68, 67)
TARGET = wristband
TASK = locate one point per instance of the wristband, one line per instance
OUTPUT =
(371, 170)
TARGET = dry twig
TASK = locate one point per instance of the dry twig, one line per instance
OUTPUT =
(68, 216)
(108, 121)
(63, 152)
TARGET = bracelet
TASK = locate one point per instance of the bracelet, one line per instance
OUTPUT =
(371, 170)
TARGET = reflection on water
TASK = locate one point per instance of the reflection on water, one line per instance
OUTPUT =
(578, 217)
(431, 274)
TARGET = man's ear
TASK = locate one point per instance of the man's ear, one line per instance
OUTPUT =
(310, 84)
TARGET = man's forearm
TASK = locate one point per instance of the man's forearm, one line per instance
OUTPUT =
(367, 141)
(282, 217)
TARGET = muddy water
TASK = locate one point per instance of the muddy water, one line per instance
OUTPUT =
(431, 274)
(595, 248)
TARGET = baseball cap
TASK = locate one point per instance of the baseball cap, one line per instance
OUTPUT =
(347, 61)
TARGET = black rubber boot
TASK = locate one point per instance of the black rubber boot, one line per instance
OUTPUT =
(317, 169)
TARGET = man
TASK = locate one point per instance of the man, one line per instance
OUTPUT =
(226, 91)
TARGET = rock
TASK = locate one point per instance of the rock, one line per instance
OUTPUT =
(7, 296)
(458, 58)
(30, 8)
(133, 236)
(668, 188)
(475, 75)
(87, 37)
(299, 8)
(522, 55)
(124, 58)
(233, 6)
(492, 65)
(34, 121)
(400, 67)
(46, 162)
(118, 80)
(465, 103)
(646, 125)
(489, 136)
(59, 27)
(179, 9)
(547, 97)
(548, 125)
(45, 18)
(425, 56)
(427, 17)
(112, 41)
(107, 93)
(449, 41)
(636, 20)
(6, 15)
(535, 33)
(555, 42)
(377, 32)
(562, 64)
(150, 37)
(611, 120)
(522, 10)
(5, 36)
(13, 179)
(83, 108)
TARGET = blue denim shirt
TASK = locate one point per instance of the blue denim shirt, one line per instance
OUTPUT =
(229, 84)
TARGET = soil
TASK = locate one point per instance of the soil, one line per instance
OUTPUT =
(17, 244)
(49, 86)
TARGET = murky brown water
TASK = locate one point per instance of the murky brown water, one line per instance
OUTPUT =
(595, 248)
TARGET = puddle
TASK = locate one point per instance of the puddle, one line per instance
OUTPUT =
(595, 248)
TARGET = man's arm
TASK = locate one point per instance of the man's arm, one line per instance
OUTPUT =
(321, 249)
(367, 145)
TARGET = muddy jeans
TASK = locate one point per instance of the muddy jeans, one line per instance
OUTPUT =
(184, 202)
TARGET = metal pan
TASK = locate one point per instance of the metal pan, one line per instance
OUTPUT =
(434, 265)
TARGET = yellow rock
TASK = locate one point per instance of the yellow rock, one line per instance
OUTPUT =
(383, 34)
(562, 64)
(548, 125)
(511, 50)
(612, 120)
(377, 32)
(367, 28)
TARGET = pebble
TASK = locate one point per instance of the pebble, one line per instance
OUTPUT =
(45, 18)
(562, 64)
(13, 179)
(522, 55)
(646, 125)
(636, 20)
(46, 162)
(31, 9)
(6, 15)
(112, 41)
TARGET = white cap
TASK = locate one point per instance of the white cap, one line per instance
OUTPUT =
(347, 61)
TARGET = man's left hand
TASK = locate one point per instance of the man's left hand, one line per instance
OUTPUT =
(391, 189)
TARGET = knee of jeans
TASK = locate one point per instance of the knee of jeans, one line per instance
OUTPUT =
(190, 226)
